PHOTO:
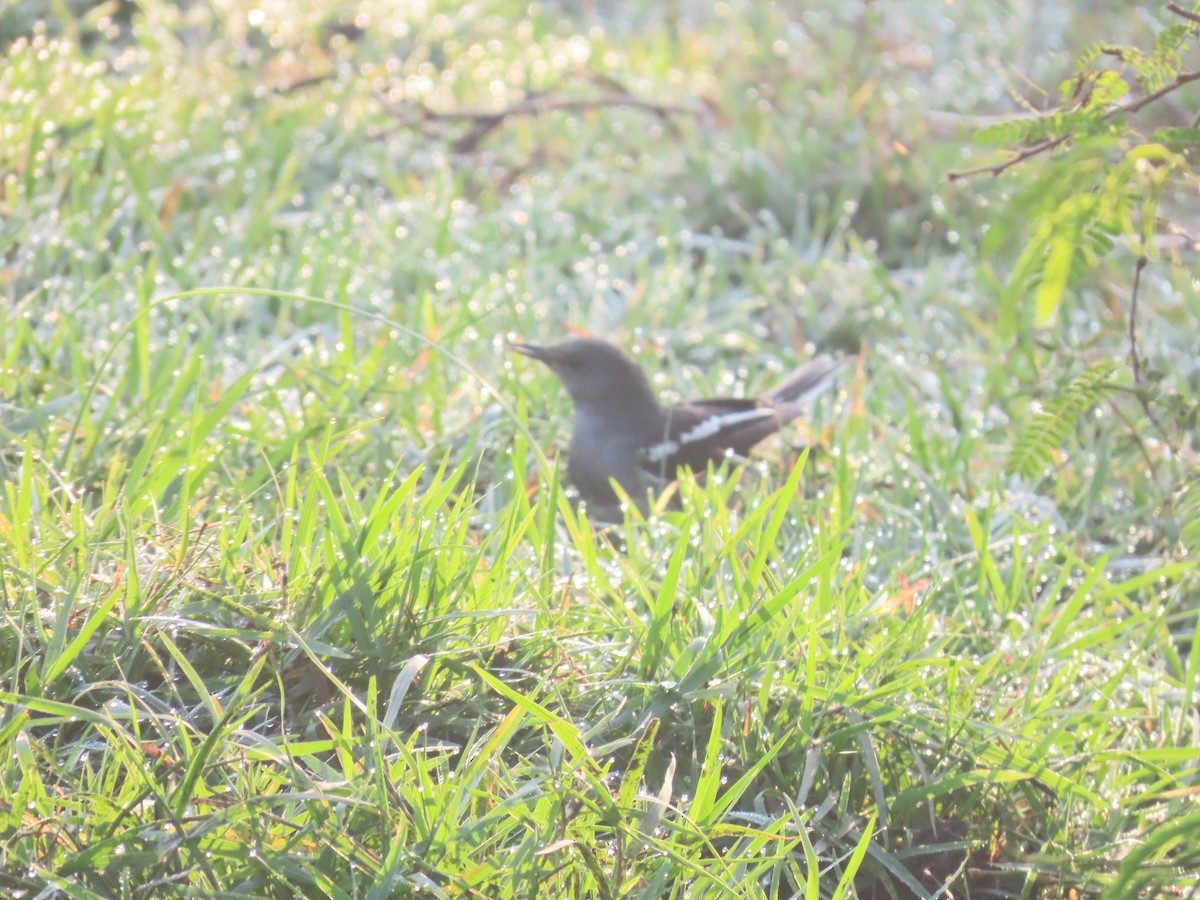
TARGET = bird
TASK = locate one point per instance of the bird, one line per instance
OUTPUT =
(621, 432)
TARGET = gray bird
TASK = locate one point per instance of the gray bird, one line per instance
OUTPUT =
(622, 433)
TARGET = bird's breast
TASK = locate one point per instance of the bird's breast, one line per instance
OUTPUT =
(600, 452)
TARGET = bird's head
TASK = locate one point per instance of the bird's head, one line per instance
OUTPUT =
(596, 374)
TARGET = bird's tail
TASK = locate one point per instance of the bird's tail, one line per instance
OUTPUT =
(806, 382)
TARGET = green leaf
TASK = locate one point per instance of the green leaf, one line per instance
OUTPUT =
(1050, 427)
(1055, 275)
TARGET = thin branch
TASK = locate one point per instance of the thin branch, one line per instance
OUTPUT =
(302, 83)
(1136, 362)
(536, 106)
(614, 86)
(1180, 11)
(483, 121)
(1044, 146)
(1179, 82)
(1051, 143)
(1133, 308)
(1133, 431)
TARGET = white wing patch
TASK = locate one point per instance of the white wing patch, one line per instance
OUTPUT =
(716, 424)
(661, 451)
(706, 429)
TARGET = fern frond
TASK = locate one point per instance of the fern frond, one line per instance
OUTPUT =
(1050, 428)
(1172, 41)
(1089, 56)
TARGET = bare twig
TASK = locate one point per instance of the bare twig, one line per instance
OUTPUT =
(1133, 307)
(611, 84)
(536, 106)
(1180, 11)
(483, 122)
(1042, 147)
(302, 83)
(1134, 432)
(1135, 362)
(1180, 81)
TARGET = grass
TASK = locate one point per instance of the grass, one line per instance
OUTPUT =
(295, 598)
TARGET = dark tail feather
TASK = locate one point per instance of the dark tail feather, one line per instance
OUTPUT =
(807, 381)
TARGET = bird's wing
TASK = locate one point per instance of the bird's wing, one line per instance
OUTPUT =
(705, 430)
(806, 381)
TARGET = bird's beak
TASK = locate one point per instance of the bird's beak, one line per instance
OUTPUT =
(531, 350)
